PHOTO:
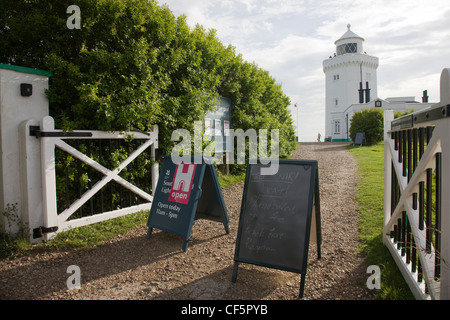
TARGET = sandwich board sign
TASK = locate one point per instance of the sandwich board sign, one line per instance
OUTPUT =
(280, 215)
(360, 138)
(186, 192)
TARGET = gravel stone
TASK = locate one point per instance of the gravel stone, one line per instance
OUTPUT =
(134, 267)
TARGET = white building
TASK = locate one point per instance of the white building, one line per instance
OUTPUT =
(351, 85)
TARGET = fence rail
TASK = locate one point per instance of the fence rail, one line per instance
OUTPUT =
(417, 195)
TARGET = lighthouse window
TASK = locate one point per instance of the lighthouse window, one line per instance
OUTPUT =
(337, 126)
(347, 48)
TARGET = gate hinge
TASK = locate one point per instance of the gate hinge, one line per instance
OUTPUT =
(38, 232)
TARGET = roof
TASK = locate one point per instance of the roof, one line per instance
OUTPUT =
(26, 70)
(349, 34)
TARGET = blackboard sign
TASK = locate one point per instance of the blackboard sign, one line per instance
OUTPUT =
(360, 138)
(277, 215)
(186, 192)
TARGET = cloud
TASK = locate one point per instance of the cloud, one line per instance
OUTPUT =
(291, 38)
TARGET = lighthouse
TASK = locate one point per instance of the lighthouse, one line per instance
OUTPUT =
(350, 78)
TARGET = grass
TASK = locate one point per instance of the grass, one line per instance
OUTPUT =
(228, 180)
(11, 246)
(95, 234)
(369, 196)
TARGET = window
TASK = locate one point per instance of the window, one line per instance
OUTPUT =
(347, 48)
(336, 77)
(337, 126)
(336, 102)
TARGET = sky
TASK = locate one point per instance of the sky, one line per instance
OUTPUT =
(291, 38)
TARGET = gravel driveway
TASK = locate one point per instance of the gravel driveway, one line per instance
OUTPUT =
(133, 267)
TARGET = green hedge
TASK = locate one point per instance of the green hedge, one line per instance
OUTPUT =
(134, 64)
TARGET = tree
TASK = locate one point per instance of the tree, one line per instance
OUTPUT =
(369, 121)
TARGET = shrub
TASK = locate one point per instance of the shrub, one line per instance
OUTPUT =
(369, 121)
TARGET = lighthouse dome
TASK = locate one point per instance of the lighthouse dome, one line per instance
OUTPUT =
(350, 42)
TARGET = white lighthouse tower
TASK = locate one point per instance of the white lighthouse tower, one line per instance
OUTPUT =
(351, 78)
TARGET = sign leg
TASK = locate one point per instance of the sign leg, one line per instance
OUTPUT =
(235, 270)
(185, 245)
(149, 233)
(302, 286)
(319, 255)
(318, 219)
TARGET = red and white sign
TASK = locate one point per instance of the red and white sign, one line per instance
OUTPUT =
(182, 183)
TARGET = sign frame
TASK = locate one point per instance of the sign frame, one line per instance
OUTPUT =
(360, 138)
(312, 219)
(204, 173)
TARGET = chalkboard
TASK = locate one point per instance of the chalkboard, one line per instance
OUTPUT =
(360, 138)
(186, 192)
(276, 217)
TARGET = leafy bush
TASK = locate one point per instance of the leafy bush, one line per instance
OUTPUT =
(12, 241)
(134, 64)
(369, 121)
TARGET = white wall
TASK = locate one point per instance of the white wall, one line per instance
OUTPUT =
(14, 111)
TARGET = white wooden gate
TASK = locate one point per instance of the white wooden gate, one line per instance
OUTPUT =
(417, 195)
(50, 138)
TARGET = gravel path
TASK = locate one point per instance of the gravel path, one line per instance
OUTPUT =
(132, 267)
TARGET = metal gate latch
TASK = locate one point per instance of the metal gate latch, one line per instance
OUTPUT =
(38, 232)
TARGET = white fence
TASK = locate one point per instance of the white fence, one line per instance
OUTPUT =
(417, 195)
(50, 139)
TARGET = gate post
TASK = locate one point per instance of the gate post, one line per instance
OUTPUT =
(22, 97)
(31, 180)
(445, 213)
(155, 166)
(445, 219)
(48, 177)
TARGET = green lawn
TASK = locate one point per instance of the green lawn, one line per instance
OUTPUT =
(369, 195)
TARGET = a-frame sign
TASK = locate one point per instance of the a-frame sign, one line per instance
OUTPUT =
(186, 192)
(280, 214)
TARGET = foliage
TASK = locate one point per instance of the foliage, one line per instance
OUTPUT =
(370, 206)
(369, 121)
(15, 238)
(134, 64)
